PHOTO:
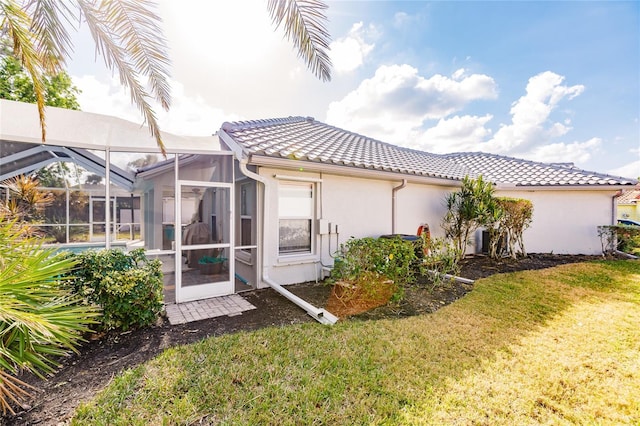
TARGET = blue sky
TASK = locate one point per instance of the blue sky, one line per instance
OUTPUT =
(548, 81)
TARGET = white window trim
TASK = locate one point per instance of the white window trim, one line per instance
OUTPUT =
(298, 256)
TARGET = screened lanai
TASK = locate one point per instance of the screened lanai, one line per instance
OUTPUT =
(110, 186)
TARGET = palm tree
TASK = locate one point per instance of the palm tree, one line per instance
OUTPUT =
(128, 36)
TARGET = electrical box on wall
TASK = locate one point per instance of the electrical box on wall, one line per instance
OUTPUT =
(323, 226)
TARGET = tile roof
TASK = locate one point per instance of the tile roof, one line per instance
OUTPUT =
(306, 139)
(498, 168)
(629, 197)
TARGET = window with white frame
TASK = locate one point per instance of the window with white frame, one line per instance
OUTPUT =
(246, 211)
(295, 217)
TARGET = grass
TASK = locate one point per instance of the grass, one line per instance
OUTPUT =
(557, 346)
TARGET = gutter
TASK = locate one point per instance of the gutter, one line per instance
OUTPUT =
(321, 315)
(394, 204)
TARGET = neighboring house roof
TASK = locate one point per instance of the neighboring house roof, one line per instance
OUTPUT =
(629, 197)
(306, 139)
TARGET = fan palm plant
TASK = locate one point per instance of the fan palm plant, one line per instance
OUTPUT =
(39, 318)
(128, 36)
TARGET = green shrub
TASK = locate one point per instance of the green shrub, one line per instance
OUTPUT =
(392, 258)
(127, 286)
(629, 239)
(624, 238)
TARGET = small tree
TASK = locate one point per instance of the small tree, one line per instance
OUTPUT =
(508, 221)
(467, 210)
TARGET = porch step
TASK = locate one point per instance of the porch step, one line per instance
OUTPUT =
(182, 313)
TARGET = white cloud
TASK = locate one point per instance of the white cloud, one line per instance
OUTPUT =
(578, 152)
(397, 100)
(349, 52)
(455, 134)
(630, 170)
(402, 19)
(530, 115)
(105, 97)
(397, 104)
(187, 116)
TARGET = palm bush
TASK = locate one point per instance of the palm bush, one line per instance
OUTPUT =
(39, 318)
(467, 210)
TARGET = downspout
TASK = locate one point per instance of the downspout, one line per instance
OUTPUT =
(394, 203)
(614, 207)
(319, 314)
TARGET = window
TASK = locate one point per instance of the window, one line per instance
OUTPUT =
(295, 214)
(246, 212)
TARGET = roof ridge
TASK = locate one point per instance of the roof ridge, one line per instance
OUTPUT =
(249, 124)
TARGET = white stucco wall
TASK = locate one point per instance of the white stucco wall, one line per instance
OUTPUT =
(565, 222)
(418, 204)
(359, 207)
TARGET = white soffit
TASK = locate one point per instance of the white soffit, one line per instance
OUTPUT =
(19, 122)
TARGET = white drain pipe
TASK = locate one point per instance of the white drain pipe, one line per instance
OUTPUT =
(321, 315)
(394, 204)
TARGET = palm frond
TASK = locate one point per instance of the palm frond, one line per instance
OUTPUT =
(100, 21)
(11, 391)
(139, 29)
(17, 25)
(40, 319)
(49, 19)
(304, 25)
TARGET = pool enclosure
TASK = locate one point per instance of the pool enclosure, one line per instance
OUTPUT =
(108, 185)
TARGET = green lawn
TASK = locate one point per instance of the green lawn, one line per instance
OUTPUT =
(558, 346)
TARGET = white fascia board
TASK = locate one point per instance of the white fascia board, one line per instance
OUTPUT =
(309, 166)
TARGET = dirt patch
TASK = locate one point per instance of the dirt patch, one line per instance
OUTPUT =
(82, 376)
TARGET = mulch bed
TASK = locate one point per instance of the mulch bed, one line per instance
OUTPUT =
(82, 376)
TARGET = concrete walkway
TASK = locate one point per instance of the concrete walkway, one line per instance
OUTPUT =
(183, 313)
